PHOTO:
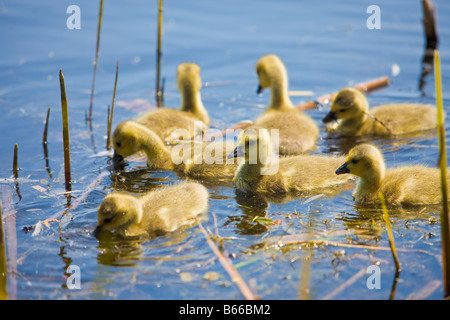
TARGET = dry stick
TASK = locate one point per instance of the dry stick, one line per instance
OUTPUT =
(346, 284)
(159, 96)
(65, 121)
(365, 87)
(3, 265)
(229, 268)
(96, 61)
(111, 115)
(445, 228)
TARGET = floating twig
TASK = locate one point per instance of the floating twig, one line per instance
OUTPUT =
(111, 112)
(96, 61)
(445, 228)
(229, 268)
(159, 94)
(65, 122)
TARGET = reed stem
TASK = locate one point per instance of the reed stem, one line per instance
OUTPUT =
(445, 230)
(44, 139)
(159, 94)
(15, 166)
(389, 231)
(3, 265)
(111, 111)
(96, 60)
(65, 121)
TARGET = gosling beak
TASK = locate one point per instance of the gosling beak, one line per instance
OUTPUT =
(97, 231)
(117, 157)
(331, 116)
(343, 169)
(260, 89)
(237, 152)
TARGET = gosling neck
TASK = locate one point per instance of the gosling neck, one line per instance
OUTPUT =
(191, 101)
(279, 97)
(370, 184)
(353, 124)
(247, 176)
(158, 155)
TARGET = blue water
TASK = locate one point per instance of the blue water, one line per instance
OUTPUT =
(324, 46)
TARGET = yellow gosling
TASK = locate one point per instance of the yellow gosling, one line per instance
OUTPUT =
(192, 115)
(350, 109)
(403, 186)
(153, 213)
(193, 159)
(263, 171)
(298, 132)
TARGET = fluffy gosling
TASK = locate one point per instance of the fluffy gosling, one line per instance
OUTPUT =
(298, 132)
(402, 186)
(350, 109)
(263, 171)
(153, 213)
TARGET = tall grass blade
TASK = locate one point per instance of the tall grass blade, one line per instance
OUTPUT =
(100, 14)
(445, 230)
(111, 113)
(66, 142)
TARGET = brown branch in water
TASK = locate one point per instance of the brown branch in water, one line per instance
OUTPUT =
(15, 167)
(96, 61)
(229, 268)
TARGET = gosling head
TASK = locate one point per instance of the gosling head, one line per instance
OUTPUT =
(117, 212)
(270, 68)
(125, 139)
(362, 161)
(348, 103)
(255, 145)
(188, 78)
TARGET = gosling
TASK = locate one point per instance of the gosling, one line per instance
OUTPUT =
(262, 171)
(192, 115)
(298, 132)
(156, 212)
(201, 160)
(403, 186)
(350, 109)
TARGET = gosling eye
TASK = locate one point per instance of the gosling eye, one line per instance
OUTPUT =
(342, 110)
(118, 144)
(355, 161)
(107, 220)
